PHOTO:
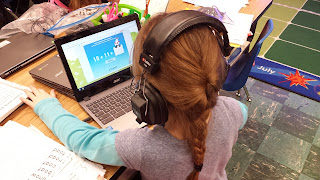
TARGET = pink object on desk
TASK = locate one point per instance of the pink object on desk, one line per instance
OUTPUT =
(59, 3)
(113, 13)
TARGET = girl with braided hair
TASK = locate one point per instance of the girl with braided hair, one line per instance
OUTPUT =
(195, 142)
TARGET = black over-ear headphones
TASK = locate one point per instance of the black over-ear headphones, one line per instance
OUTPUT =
(147, 102)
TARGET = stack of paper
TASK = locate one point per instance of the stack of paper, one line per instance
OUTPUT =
(28, 154)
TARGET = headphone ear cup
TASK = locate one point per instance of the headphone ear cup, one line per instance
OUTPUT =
(139, 104)
(158, 105)
(149, 106)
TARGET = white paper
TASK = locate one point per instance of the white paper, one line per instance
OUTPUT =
(227, 6)
(26, 154)
(239, 29)
(154, 7)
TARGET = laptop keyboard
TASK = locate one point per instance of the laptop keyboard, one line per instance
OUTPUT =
(9, 96)
(112, 106)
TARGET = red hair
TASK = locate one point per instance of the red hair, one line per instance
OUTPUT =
(190, 76)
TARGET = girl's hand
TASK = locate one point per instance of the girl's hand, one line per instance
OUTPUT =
(36, 96)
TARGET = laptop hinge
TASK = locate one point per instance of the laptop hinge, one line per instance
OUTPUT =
(87, 98)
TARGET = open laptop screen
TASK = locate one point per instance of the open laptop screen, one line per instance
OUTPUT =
(98, 58)
(100, 55)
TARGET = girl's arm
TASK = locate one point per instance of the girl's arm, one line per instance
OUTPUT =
(85, 140)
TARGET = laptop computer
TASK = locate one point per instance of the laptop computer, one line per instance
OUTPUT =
(98, 66)
(22, 49)
(52, 74)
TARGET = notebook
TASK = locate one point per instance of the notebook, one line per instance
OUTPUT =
(52, 74)
(22, 49)
(97, 63)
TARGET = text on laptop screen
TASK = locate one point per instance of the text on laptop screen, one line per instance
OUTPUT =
(100, 55)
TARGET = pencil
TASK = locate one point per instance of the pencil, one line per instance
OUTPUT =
(87, 119)
(146, 10)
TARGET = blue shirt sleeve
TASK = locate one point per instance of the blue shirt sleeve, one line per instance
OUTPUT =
(244, 110)
(87, 141)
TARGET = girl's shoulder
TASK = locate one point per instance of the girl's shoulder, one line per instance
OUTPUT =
(229, 110)
(227, 102)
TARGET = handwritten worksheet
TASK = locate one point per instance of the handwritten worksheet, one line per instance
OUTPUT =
(28, 154)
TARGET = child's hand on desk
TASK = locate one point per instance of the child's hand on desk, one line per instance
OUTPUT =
(36, 96)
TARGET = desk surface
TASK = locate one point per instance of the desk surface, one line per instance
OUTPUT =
(25, 115)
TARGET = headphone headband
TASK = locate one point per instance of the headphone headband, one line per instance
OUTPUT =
(147, 102)
(172, 25)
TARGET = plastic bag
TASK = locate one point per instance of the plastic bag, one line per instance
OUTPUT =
(78, 19)
(38, 18)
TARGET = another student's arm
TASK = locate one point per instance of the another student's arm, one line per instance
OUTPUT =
(85, 140)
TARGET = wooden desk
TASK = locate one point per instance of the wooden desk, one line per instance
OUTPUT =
(25, 115)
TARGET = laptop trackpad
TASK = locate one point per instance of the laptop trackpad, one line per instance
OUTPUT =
(127, 121)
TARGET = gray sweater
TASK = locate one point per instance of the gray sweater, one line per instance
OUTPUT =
(159, 155)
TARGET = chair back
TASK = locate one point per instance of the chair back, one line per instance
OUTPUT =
(239, 71)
